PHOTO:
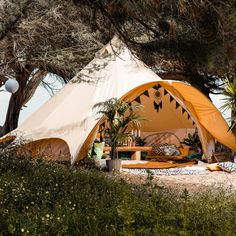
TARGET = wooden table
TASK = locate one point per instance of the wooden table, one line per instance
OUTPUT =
(136, 150)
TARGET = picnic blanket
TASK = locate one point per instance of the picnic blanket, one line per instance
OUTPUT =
(190, 170)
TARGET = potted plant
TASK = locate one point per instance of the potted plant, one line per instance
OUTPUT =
(193, 142)
(121, 118)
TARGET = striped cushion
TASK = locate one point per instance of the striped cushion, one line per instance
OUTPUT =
(228, 166)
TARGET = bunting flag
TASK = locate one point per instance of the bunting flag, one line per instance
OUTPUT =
(188, 116)
(146, 93)
(165, 92)
(183, 110)
(138, 100)
(157, 86)
(193, 123)
(171, 99)
(156, 106)
(177, 105)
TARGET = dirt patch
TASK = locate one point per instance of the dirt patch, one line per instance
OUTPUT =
(197, 182)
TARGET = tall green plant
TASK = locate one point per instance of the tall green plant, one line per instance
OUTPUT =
(121, 118)
(230, 102)
(192, 141)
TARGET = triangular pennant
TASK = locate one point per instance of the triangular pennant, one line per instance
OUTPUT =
(160, 105)
(183, 110)
(188, 116)
(177, 105)
(146, 93)
(165, 92)
(193, 123)
(137, 99)
(171, 99)
(156, 106)
(155, 87)
(158, 86)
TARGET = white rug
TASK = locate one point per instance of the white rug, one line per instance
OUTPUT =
(190, 170)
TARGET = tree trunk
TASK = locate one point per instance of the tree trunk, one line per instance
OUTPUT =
(14, 107)
(20, 98)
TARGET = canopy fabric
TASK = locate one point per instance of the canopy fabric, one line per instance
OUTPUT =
(115, 72)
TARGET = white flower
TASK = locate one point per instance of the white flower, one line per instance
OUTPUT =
(22, 230)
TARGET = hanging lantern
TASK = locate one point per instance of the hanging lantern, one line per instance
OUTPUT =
(11, 85)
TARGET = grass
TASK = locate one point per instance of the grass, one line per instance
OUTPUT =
(38, 198)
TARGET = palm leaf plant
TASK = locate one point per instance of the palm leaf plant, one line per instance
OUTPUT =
(121, 118)
(230, 102)
(192, 141)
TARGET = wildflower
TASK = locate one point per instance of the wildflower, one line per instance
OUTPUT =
(22, 230)
(47, 215)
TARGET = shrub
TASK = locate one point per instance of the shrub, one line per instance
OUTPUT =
(39, 198)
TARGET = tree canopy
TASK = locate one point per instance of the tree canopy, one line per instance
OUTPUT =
(185, 40)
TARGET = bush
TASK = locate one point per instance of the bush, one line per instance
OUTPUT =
(39, 198)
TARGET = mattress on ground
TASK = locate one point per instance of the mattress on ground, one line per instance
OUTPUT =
(157, 165)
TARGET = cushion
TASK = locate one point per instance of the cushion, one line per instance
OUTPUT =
(213, 167)
(194, 155)
(184, 151)
(228, 166)
(97, 150)
(170, 150)
(156, 150)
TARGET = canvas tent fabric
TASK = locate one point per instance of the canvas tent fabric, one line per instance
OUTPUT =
(66, 125)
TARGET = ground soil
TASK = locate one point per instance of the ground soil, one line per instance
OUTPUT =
(197, 182)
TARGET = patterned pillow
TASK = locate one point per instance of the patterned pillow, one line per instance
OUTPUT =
(170, 150)
(228, 166)
(156, 150)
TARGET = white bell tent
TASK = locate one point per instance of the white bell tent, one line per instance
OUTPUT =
(67, 126)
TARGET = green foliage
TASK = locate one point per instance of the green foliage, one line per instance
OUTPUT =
(192, 141)
(230, 101)
(38, 198)
(121, 117)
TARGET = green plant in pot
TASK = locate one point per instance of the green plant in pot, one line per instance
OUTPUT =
(193, 142)
(121, 118)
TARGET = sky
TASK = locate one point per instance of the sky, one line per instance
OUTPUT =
(41, 96)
